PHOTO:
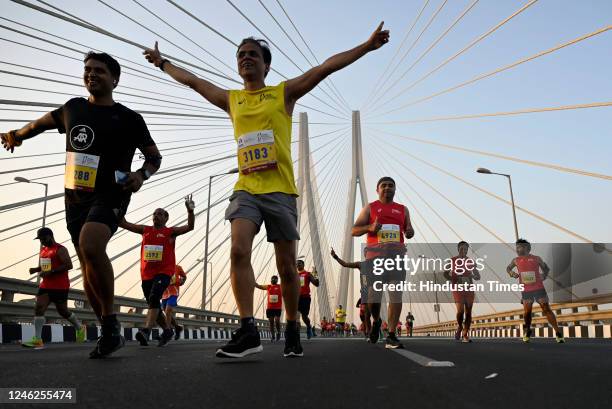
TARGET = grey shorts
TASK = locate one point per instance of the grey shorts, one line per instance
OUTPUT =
(277, 210)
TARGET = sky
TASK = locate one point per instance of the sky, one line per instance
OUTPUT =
(377, 83)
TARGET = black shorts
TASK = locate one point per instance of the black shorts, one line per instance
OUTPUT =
(536, 295)
(154, 289)
(273, 313)
(304, 305)
(108, 212)
(55, 296)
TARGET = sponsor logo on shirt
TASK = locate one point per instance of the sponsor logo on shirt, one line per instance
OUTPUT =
(81, 137)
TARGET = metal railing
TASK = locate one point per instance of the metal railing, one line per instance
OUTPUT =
(21, 311)
(509, 323)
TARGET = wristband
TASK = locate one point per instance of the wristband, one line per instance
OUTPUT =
(161, 66)
(145, 173)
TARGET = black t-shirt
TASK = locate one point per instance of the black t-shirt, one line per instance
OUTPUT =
(99, 140)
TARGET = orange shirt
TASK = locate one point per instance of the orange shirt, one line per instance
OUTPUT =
(173, 288)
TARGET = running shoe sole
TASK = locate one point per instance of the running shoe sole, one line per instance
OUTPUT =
(96, 354)
(33, 347)
(293, 354)
(390, 346)
(222, 354)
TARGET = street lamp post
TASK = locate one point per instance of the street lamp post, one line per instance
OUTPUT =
(235, 170)
(44, 217)
(488, 172)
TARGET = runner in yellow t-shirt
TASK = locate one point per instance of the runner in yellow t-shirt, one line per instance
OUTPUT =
(266, 190)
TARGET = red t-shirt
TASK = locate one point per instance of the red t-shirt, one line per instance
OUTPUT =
(529, 272)
(304, 283)
(466, 273)
(275, 299)
(50, 260)
(391, 235)
(175, 283)
(157, 252)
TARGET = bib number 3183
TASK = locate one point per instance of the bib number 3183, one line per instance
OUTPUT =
(256, 152)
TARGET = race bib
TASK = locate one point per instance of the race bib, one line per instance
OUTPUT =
(256, 152)
(45, 264)
(302, 281)
(153, 252)
(273, 298)
(81, 171)
(389, 233)
(462, 279)
(528, 277)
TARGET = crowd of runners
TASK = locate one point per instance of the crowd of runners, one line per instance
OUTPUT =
(101, 139)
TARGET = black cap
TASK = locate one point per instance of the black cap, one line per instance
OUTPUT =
(45, 231)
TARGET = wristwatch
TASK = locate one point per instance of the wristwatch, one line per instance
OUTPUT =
(145, 173)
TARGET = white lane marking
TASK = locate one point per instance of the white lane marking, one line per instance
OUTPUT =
(423, 360)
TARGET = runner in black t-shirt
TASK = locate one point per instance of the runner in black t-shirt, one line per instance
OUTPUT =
(101, 139)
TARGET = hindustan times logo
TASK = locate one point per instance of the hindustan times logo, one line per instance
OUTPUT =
(413, 265)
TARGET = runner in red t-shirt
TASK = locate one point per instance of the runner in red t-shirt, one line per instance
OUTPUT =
(463, 272)
(528, 272)
(170, 299)
(386, 224)
(157, 265)
(306, 278)
(274, 305)
(54, 263)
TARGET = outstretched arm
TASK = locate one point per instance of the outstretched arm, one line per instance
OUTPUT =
(134, 228)
(314, 277)
(261, 287)
(213, 94)
(298, 87)
(343, 263)
(14, 138)
(190, 205)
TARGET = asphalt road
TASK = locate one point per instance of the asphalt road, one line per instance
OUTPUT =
(334, 373)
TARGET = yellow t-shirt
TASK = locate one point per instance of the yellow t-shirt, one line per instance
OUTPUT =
(340, 316)
(262, 130)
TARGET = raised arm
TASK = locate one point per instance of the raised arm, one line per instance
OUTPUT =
(298, 87)
(213, 94)
(261, 287)
(314, 277)
(190, 205)
(343, 263)
(134, 228)
(362, 224)
(14, 138)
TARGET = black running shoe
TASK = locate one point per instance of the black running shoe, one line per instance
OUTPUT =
(141, 337)
(166, 336)
(177, 332)
(243, 343)
(392, 342)
(106, 345)
(375, 331)
(293, 347)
